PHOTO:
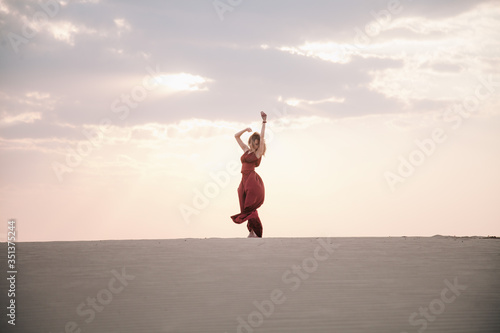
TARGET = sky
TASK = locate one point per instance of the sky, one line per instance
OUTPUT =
(117, 118)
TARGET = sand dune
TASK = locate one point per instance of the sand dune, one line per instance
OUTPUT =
(436, 284)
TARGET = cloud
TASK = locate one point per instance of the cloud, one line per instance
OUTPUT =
(31, 102)
(182, 82)
(335, 96)
(328, 51)
(227, 71)
(27, 117)
(4, 8)
(66, 31)
(296, 102)
(435, 53)
(123, 25)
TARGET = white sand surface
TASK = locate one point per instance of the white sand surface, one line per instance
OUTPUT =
(435, 284)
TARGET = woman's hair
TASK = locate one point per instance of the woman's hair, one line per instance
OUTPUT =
(256, 136)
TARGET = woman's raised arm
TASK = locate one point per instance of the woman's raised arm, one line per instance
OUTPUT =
(238, 139)
(264, 121)
(262, 146)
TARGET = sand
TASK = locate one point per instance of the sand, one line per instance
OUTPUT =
(403, 284)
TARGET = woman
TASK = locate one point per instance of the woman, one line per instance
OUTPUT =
(251, 189)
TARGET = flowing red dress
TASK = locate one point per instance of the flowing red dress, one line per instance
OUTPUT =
(251, 193)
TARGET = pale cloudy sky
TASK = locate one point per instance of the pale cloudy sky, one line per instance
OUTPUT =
(117, 117)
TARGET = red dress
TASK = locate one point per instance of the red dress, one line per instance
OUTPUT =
(251, 193)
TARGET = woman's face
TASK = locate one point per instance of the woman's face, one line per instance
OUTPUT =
(255, 144)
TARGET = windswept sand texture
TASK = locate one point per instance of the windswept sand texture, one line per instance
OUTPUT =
(444, 284)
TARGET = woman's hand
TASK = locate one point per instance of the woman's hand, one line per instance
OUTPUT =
(237, 135)
(263, 115)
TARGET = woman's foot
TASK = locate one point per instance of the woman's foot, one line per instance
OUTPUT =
(252, 234)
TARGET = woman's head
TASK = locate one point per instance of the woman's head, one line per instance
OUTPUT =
(254, 142)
